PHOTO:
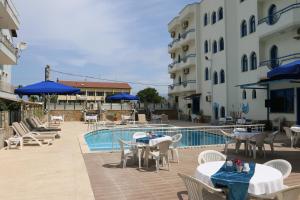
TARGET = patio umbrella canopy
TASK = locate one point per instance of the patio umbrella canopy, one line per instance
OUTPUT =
(46, 87)
(123, 96)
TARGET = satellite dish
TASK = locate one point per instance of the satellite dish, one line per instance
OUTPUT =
(22, 46)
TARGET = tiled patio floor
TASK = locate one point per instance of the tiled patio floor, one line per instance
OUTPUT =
(109, 181)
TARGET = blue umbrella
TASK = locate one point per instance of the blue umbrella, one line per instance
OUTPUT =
(47, 88)
(123, 96)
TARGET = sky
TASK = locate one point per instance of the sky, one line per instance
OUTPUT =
(123, 40)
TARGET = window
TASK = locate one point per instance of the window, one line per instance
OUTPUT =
(282, 101)
(179, 80)
(205, 19)
(206, 46)
(244, 96)
(253, 94)
(90, 93)
(243, 28)
(274, 56)
(179, 59)
(216, 112)
(252, 24)
(244, 63)
(215, 47)
(220, 13)
(221, 44)
(253, 60)
(206, 74)
(272, 14)
(214, 18)
(99, 93)
(222, 111)
(215, 78)
(222, 76)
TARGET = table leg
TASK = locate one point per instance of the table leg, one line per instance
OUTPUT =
(147, 156)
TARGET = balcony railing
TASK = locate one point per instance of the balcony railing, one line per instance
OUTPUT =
(185, 58)
(272, 19)
(187, 32)
(6, 87)
(173, 42)
(172, 64)
(272, 63)
(8, 44)
(184, 83)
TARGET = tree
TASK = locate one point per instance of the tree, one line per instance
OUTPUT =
(149, 95)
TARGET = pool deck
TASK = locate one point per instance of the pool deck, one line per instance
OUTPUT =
(62, 171)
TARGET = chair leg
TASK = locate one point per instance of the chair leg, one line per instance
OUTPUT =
(292, 142)
(254, 152)
(157, 164)
(172, 154)
(226, 148)
(272, 147)
(177, 155)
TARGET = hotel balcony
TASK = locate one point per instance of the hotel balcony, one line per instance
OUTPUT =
(9, 18)
(174, 45)
(8, 53)
(186, 62)
(282, 20)
(188, 36)
(280, 60)
(186, 86)
(188, 11)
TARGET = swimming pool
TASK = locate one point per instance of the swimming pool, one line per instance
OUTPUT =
(107, 140)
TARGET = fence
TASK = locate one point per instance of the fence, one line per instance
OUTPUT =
(191, 136)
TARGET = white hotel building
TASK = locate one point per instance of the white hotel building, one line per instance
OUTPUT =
(9, 24)
(222, 51)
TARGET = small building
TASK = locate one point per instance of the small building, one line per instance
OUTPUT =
(92, 92)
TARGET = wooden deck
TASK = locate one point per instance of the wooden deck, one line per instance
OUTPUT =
(109, 181)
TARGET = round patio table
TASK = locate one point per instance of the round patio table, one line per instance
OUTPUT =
(266, 180)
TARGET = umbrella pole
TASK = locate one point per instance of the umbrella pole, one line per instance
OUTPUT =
(48, 109)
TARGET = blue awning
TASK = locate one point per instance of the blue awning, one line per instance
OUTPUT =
(123, 96)
(287, 71)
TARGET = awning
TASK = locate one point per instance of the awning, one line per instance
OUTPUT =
(287, 71)
(193, 96)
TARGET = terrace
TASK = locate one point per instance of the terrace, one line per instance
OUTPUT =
(62, 171)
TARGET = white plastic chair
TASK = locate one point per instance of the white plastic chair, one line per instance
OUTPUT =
(210, 156)
(229, 139)
(270, 140)
(282, 165)
(125, 153)
(174, 146)
(288, 193)
(161, 154)
(196, 187)
(257, 141)
(290, 135)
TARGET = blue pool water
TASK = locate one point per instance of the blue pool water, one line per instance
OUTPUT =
(107, 140)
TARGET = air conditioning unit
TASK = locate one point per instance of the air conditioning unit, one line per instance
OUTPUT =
(297, 37)
(185, 48)
(173, 55)
(186, 71)
(185, 24)
(208, 98)
(173, 34)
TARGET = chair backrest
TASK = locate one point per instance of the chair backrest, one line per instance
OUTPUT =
(18, 129)
(288, 132)
(142, 118)
(282, 165)
(176, 139)
(259, 138)
(163, 147)
(164, 118)
(290, 193)
(138, 135)
(195, 187)
(24, 126)
(210, 156)
(273, 135)
(37, 121)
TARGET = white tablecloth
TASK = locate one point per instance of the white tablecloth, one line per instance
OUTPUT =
(266, 180)
(155, 141)
(243, 135)
(91, 118)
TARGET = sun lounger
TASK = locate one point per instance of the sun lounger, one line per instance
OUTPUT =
(31, 136)
(35, 126)
(27, 129)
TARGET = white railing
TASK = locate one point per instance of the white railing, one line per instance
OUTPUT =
(197, 136)
(6, 87)
(8, 43)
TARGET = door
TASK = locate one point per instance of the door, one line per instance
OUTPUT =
(196, 105)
